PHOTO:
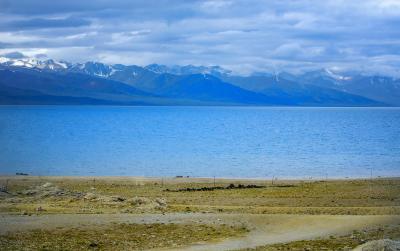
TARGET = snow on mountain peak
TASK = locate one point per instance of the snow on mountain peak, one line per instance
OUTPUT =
(33, 63)
(335, 75)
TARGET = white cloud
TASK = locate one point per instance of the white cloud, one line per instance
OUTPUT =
(245, 35)
(215, 5)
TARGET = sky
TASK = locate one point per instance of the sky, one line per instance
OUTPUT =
(244, 36)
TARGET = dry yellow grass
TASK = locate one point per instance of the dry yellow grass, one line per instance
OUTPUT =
(140, 196)
(117, 237)
(379, 196)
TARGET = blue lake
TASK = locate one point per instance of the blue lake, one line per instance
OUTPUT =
(257, 142)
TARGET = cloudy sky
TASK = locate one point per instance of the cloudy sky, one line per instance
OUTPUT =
(242, 35)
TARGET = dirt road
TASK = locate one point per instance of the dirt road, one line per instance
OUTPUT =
(264, 229)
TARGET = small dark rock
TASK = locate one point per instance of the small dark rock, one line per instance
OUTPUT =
(93, 244)
(40, 209)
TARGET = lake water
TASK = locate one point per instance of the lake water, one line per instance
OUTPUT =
(257, 142)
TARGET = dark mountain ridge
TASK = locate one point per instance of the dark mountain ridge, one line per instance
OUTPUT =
(188, 85)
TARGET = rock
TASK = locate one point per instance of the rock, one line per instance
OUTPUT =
(52, 191)
(29, 192)
(161, 202)
(377, 245)
(47, 184)
(117, 198)
(49, 190)
(90, 196)
(110, 199)
(93, 244)
(40, 209)
(138, 201)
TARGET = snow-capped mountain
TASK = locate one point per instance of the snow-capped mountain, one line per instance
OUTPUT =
(336, 76)
(325, 77)
(105, 70)
(93, 68)
(382, 88)
(35, 63)
(214, 83)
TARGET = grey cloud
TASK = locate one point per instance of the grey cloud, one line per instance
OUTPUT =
(41, 56)
(241, 34)
(14, 54)
(43, 23)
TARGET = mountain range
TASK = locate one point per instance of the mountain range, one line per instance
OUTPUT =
(26, 80)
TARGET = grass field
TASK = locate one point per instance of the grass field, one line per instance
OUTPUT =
(26, 195)
(379, 196)
(117, 237)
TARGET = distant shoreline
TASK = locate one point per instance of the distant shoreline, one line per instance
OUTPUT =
(190, 179)
(206, 105)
